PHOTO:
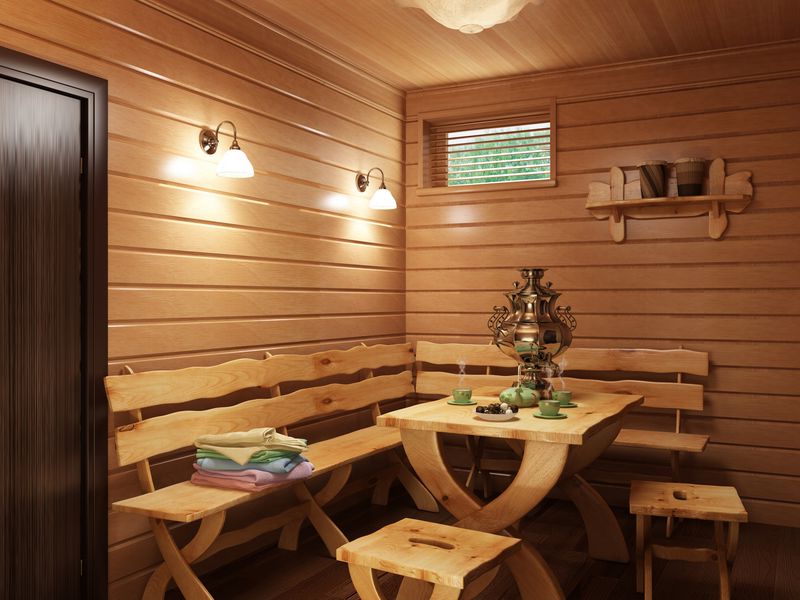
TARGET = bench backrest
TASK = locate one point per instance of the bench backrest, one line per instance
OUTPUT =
(167, 432)
(657, 394)
(469, 356)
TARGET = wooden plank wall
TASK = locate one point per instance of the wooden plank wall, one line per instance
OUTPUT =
(668, 283)
(205, 269)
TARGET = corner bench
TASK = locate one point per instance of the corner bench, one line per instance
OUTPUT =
(186, 502)
(676, 396)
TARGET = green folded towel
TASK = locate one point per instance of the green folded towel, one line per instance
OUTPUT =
(262, 456)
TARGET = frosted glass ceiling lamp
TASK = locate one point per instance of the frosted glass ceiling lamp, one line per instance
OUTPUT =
(382, 199)
(469, 16)
(234, 162)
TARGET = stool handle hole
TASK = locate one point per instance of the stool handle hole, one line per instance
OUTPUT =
(434, 543)
(679, 495)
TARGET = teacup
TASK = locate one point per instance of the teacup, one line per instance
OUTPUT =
(549, 408)
(564, 397)
(462, 395)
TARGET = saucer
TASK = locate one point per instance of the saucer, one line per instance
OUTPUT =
(454, 403)
(568, 405)
(539, 415)
(491, 417)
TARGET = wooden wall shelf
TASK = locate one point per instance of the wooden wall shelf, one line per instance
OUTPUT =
(617, 200)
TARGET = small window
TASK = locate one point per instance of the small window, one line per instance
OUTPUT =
(471, 154)
(498, 154)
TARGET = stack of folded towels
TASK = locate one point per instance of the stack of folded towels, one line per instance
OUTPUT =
(250, 460)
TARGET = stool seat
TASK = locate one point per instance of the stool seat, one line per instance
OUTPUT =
(432, 552)
(720, 504)
(686, 500)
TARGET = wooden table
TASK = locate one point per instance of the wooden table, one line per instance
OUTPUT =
(553, 453)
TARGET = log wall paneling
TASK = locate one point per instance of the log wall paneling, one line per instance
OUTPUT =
(204, 269)
(667, 285)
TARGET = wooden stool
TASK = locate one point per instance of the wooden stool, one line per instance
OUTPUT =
(720, 504)
(447, 557)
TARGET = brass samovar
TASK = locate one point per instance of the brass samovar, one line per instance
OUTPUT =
(534, 331)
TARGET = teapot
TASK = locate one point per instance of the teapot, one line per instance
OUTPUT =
(521, 396)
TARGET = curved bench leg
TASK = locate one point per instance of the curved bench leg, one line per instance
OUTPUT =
(606, 541)
(380, 493)
(331, 535)
(364, 581)
(419, 493)
(177, 561)
(423, 499)
(290, 533)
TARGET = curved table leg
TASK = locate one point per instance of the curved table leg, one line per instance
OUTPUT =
(540, 469)
(606, 541)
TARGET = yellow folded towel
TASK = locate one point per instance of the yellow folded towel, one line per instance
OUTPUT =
(239, 446)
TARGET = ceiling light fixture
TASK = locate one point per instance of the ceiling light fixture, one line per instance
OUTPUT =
(382, 199)
(234, 162)
(469, 16)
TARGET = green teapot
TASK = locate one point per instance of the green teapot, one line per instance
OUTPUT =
(521, 396)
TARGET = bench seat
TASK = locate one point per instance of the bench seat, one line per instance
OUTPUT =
(662, 440)
(186, 502)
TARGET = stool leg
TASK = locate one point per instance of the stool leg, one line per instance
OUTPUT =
(414, 589)
(364, 581)
(648, 573)
(642, 533)
(445, 592)
(733, 540)
(722, 562)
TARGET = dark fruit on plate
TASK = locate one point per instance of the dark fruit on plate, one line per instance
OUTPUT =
(495, 408)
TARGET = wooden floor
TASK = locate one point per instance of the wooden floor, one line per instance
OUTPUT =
(767, 566)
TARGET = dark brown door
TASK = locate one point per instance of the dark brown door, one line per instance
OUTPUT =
(40, 332)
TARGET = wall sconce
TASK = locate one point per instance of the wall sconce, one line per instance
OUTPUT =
(234, 162)
(382, 199)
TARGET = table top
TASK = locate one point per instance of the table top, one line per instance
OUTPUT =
(594, 412)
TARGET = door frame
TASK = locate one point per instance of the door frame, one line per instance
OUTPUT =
(92, 92)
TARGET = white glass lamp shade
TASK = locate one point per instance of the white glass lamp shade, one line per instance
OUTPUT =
(235, 163)
(382, 199)
(469, 16)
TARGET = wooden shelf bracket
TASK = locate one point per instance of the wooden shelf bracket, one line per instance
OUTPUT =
(618, 200)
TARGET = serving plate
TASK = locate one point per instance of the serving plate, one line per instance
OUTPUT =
(491, 417)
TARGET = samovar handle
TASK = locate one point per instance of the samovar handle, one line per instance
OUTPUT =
(565, 316)
(496, 321)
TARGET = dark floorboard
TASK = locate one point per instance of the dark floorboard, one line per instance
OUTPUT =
(766, 568)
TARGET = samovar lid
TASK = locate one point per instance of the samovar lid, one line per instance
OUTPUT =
(532, 276)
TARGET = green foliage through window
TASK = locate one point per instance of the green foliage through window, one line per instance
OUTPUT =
(498, 154)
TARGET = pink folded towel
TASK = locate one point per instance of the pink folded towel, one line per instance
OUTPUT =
(250, 480)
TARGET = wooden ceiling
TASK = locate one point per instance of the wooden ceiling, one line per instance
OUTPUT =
(407, 49)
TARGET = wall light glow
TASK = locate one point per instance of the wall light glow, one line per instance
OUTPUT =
(179, 167)
(336, 202)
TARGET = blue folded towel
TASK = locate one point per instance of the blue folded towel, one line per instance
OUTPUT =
(279, 465)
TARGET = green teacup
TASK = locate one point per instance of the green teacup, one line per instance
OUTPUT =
(549, 408)
(564, 397)
(462, 395)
